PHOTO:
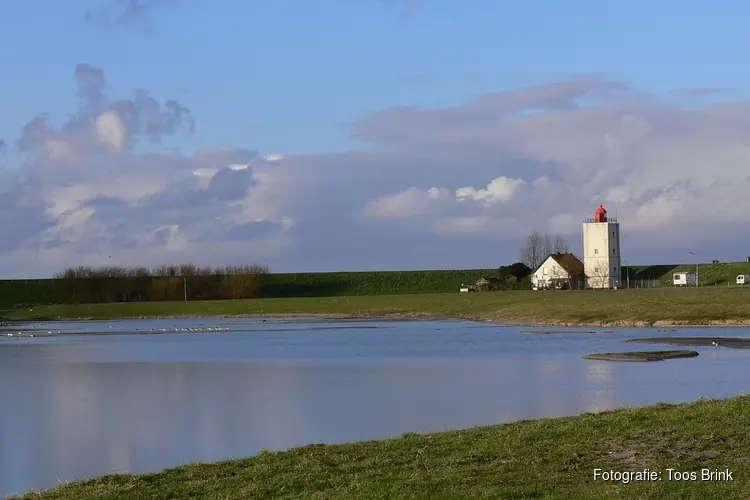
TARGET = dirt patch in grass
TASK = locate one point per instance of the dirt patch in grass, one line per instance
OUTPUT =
(641, 355)
(638, 455)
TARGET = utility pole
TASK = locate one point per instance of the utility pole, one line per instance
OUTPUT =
(696, 266)
(184, 286)
(627, 273)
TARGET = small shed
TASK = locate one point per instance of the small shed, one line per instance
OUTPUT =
(683, 279)
(488, 284)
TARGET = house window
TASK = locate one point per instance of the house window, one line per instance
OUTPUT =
(596, 251)
(544, 271)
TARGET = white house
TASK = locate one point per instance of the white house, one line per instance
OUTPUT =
(601, 250)
(559, 270)
(683, 279)
(743, 279)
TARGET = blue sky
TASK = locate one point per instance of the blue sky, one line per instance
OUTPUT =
(301, 78)
(285, 75)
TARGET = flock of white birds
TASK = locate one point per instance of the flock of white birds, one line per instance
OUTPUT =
(154, 330)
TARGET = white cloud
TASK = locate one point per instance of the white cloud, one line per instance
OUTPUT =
(111, 130)
(655, 164)
(57, 149)
(411, 202)
(415, 202)
(273, 157)
(463, 225)
(499, 189)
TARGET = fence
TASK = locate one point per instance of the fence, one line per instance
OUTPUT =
(602, 284)
(725, 284)
(641, 283)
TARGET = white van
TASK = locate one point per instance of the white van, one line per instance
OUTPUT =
(743, 279)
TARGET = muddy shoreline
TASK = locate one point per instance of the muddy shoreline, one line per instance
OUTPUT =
(731, 342)
(494, 319)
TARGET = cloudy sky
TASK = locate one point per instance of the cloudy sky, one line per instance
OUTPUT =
(368, 134)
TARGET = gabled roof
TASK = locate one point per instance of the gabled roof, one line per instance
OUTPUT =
(489, 280)
(569, 262)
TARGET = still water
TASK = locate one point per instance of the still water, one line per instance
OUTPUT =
(82, 399)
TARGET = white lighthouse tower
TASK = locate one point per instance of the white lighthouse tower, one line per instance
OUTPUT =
(601, 250)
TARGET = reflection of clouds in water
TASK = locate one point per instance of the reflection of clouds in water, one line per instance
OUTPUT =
(549, 366)
(120, 457)
(601, 386)
(74, 416)
(599, 372)
(271, 398)
(562, 388)
(548, 372)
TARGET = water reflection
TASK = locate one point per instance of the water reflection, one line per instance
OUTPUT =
(600, 376)
(86, 405)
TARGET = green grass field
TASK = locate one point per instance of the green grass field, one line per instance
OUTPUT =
(274, 285)
(696, 306)
(335, 284)
(549, 458)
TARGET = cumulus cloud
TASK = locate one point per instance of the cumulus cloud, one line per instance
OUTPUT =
(87, 188)
(415, 202)
(582, 142)
(409, 203)
(499, 189)
(488, 171)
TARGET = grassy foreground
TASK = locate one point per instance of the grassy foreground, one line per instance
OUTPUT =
(549, 458)
(688, 306)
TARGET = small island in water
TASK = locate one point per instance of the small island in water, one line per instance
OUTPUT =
(641, 355)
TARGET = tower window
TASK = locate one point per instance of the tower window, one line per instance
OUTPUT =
(614, 251)
(596, 251)
(613, 233)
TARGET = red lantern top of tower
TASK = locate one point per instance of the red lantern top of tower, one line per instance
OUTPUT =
(601, 214)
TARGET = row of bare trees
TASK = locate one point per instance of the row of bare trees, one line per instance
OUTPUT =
(85, 284)
(163, 270)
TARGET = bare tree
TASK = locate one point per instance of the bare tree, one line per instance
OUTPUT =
(533, 252)
(165, 270)
(188, 269)
(539, 246)
(140, 272)
(561, 245)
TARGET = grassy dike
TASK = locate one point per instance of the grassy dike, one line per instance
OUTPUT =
(668, 306)
(548, 458)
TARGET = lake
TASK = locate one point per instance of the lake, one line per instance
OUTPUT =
(83, 399)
